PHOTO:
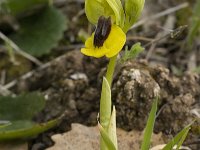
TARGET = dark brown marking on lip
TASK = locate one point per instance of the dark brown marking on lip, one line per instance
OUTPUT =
(102, 31)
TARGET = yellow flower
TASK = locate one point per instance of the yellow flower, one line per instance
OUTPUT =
(111, 46)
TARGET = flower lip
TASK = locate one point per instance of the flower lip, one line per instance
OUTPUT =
(102, 31)
(111, 46)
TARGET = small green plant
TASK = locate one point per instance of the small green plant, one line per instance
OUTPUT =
(133, 52)
(113, 18)
(174, 143)
(178, 139)
(149, 127)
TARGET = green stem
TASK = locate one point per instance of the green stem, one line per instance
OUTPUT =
(111, 69)
(105, 101)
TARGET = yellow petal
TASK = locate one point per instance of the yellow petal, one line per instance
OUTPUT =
(115, 41)
(112, 45)
(89, 41)
(95, 52)
(87, 51)
(101, 51)
(90, 50)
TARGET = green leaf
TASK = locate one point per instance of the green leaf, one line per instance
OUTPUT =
(179, 144)
(16, 115)
(16, 125)
(106, 138)
(135, 50)
(24, 129)
(41, 32)
(149, 127)
(105, 104)
(178, 139)
(112, 128)
(105, 107)
(22, 107)
(15, 7)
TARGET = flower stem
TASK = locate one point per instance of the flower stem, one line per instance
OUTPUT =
(105, 101)
(111, 69)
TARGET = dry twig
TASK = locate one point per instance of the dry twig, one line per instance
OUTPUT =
(29, 74)
(161, 14)
(176, 32)
(19, 51)
(5, 92)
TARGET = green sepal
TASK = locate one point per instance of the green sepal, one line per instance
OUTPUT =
(107, 8)
(118, 11)
(96, 8)
(93, 10)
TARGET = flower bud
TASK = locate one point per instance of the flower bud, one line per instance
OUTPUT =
(107, 8)
(133, 9)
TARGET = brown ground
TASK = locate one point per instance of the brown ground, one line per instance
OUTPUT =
(72, 86)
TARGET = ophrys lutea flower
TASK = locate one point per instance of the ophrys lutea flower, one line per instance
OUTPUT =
(107, 40)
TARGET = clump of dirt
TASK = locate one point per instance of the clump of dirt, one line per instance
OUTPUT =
(137, 85)
(179, 96)
(133, 92)
(69, 86)
(72, 85)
